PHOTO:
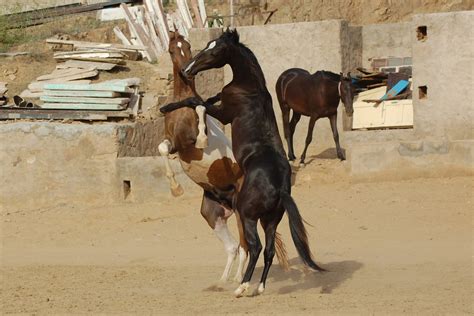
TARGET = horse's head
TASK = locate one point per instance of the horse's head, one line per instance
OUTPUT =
(215, 55)
(347, 92)
(179, 49)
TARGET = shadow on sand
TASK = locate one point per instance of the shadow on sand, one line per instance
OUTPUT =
(305, 279)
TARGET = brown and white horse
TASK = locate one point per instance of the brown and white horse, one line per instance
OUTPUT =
(213, 168)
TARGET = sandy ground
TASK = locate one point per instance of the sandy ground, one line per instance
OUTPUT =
(391, 248)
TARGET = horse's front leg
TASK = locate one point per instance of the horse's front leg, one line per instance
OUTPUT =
(335, 134)
(201, 139)
(164, 148)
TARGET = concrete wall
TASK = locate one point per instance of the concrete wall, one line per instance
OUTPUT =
(391, 39)
(46, 164)
(444, 63)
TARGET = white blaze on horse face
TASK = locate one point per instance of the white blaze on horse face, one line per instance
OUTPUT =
(180, 45)
(211, 45)
(189, 66)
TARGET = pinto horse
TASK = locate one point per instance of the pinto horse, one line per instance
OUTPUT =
(213, 168)
(315, 95)
(265, 190)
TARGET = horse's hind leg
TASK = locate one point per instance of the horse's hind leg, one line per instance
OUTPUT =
(255, 247)
(309, 138)
(295, 118)
(333, 120)
(216, 216)
(243, 250)
(269, 253)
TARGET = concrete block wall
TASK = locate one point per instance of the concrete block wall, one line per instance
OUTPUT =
(443, 62)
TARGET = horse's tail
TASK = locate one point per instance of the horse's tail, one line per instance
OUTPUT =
(281, 253)
(298, 231)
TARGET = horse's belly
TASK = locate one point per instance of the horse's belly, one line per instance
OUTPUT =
(217, 167)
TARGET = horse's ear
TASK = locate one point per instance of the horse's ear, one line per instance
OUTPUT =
(232, 34)
(172, 35)
(341, 75)
(349, 75)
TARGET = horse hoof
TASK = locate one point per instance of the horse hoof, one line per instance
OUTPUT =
(241, 289)
(178, 191)
(261, 288)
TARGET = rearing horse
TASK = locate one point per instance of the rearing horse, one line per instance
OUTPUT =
(265, 191)
(213, 168)
(315, 95)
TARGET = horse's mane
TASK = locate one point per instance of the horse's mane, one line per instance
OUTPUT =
(330, 75)
(255, 68)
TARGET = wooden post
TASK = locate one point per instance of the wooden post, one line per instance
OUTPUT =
(195, 7)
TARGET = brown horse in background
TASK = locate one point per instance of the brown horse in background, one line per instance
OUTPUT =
(315, 95)
(213, 168)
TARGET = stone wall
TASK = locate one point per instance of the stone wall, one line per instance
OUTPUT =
(47, 164)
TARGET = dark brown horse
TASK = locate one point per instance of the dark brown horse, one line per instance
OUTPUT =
(265, 192)
(213, 168)
(315, 95)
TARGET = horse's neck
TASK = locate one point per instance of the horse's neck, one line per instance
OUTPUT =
(245, 72)
(181, 89)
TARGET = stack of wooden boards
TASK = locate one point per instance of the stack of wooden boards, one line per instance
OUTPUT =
(113, 99)
(3, 91)
(149, 26)
(75, 75)
(109, 95)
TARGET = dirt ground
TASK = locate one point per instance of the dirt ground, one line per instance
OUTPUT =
(390, 247)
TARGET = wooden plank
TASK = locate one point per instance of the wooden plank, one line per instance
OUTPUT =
(85, 65)
(88, 74)
(82, 106)
(116, 87)
(72, 93)
(93, 44)
(139, 36)
(157, 42)
(197, 14)
(88, 100)
(127, 81)
(118, 32)
(29, 94)
(38, 86)
(30, 18)
(101, 60)
(63, 73)
(202, 11)
(14, 54)
(105, 55)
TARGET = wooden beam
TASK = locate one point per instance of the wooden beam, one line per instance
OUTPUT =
(83, 106)
(116, 87)
(74, 93)
(118, 32)
(93, 44)
(85, 65)
(88, 100)
(39, 114)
